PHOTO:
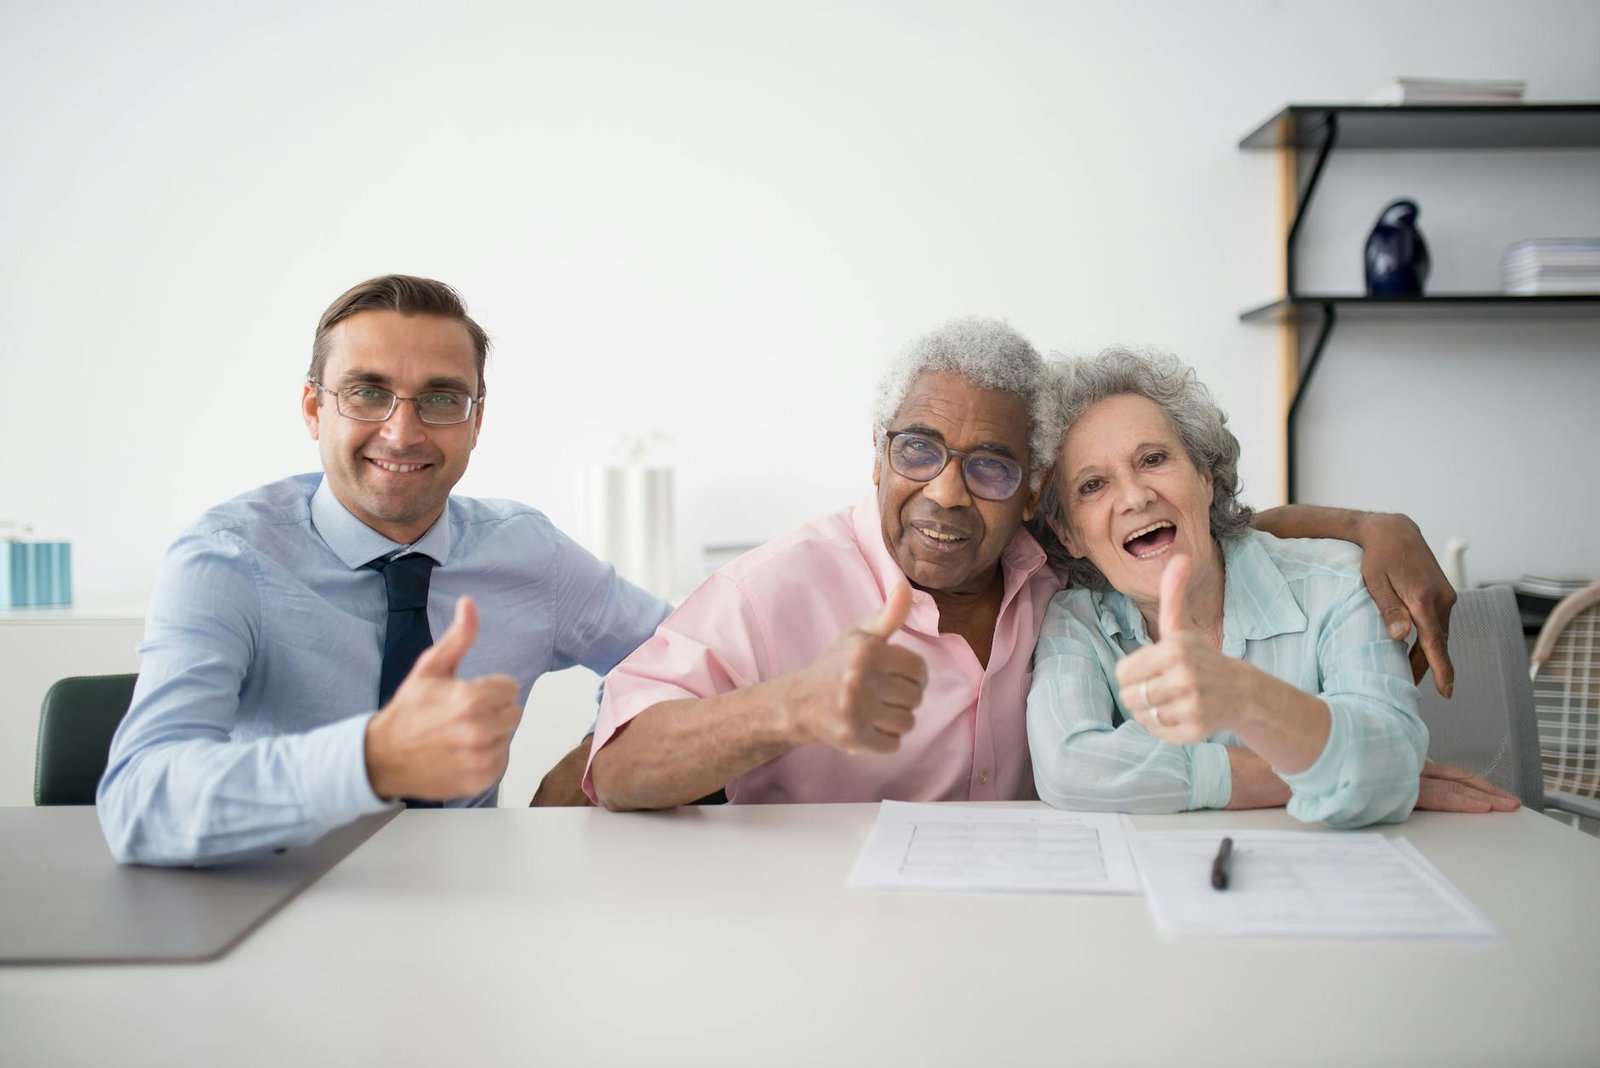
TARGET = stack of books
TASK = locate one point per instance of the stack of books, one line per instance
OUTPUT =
(1405, 90)
(1552, 265)
(1538, 595)
(1552, 587)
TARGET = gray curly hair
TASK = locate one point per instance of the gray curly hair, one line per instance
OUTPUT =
(991, 355)
(1188, 405)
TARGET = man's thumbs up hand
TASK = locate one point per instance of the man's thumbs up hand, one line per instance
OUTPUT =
(441, 736)
(885, 623)
(861, 693)
(442, 659)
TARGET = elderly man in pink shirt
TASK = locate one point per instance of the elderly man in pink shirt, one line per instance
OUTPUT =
(810, 670)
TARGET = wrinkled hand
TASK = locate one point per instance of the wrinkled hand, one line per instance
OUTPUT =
(861, 693)
(1410, 589)
(1447, 788)
(1196, 689)
(441, 736)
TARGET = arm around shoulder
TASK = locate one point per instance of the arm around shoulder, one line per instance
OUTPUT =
(1400, 572)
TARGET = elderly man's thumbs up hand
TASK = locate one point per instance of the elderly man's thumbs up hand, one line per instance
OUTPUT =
(441, 736)
(861, 694)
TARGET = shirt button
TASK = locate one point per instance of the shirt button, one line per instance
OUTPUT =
(984, 778)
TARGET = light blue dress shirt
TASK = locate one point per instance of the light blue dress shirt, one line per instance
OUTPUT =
(262, 650)
(1298, 610)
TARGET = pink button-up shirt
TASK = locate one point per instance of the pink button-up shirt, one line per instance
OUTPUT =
(778, 608)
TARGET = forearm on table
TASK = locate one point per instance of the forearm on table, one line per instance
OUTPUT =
(676, 752)
(1369, 773)
(1255, 784)
(206, 801)
(562, 785)
(1081, 762)
(1122, 770)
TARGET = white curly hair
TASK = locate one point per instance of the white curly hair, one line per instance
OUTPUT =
(991, 355)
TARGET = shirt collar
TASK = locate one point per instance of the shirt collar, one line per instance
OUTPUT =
(357, 544)
(1256, 601)
(1019, 561)
(1120, 616)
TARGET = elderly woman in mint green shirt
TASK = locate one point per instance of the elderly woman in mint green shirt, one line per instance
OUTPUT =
(1194, 662)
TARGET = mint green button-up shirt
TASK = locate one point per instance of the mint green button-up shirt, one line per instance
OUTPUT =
(1298, 610)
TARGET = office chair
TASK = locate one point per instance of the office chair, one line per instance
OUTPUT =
(1566, 698)
(76, 722)
(1488, 725)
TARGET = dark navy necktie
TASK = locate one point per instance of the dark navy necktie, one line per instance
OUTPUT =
(405, 579)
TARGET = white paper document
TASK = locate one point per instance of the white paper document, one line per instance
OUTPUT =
(947, 847)
(1301, 884)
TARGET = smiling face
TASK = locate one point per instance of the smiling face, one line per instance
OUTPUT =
(394, 476)
(1132, 497)
(945, 539)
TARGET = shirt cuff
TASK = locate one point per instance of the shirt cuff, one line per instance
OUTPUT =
(1321, 779)
(1210, 776)
(335, 773)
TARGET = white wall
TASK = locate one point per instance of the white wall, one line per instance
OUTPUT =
(718, 219)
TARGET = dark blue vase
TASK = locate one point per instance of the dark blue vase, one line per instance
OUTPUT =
(1397, 257)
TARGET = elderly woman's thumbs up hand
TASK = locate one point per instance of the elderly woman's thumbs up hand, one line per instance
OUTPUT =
(1181, 687)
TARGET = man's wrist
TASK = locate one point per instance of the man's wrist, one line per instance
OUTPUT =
(372, 749)
(788, 722)
(1363, 525)
(1367, 525)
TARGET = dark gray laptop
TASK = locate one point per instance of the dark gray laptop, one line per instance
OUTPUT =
(63, 900)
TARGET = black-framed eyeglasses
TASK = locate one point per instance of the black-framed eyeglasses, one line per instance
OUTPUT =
(987, 474)
(374, 404)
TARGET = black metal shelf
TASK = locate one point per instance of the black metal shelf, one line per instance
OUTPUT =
(1302, 129)
(1429, 306)
(1429, 126)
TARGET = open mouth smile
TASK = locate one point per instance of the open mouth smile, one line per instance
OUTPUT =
(1151, 541)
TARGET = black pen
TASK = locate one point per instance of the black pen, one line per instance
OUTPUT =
(1222, 866)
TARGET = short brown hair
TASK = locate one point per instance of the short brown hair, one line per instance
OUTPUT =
(408, 295)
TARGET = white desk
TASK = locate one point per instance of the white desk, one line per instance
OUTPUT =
(726, 936)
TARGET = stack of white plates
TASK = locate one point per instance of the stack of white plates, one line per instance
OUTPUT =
(1552, 265)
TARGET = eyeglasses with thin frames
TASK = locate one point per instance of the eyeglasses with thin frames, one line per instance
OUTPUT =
(920, 458)
(374, 404)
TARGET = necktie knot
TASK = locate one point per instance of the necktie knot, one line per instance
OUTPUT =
(405, 580)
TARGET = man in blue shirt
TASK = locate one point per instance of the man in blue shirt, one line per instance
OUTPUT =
(277, 697)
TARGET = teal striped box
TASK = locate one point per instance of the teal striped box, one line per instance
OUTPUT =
(35, 573)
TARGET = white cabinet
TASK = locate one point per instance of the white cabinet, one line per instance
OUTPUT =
(39, 646)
